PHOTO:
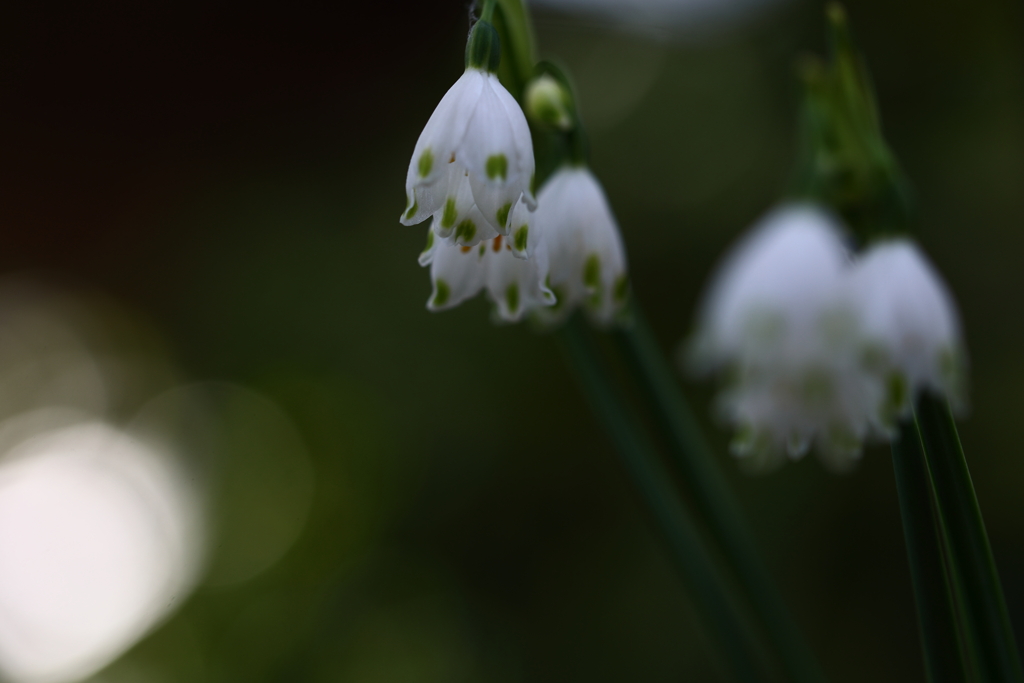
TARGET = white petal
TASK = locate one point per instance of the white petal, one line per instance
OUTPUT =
(495, 200)
(908, 315)
(427, 255)
(425, 200)
(522, 234)
(444, 130)
(515, 285)
(457, 204)
(488, 134)
(587, 257)
(472, 229)
(457, 274)
(773, 286)
(522, 140)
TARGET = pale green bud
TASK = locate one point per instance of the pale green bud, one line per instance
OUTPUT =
(548, 103)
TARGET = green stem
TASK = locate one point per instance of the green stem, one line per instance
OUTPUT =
(988, 623)
(713, 496)
(487, 11)
(923, 532)
(706, 588)
(517, 43)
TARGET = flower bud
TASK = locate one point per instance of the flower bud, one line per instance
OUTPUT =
(548, 103)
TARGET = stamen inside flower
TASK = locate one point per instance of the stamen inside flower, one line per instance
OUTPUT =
(497, 243)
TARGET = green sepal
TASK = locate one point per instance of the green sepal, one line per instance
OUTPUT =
(483, 51)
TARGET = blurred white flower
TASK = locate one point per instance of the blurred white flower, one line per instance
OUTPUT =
(472, 163)
(909, 324)
(820, 348)
(779, 320)
(585, 251)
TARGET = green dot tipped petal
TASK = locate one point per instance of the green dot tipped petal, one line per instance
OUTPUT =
(466, 231)
(520, 237)
(441, 293)
(512, 297)
(497, 166)
(502, 214)
(450, 214)
(426, 162)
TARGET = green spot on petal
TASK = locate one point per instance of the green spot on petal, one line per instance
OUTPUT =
(441, 293)
(430, 241)
(512, 297)
(497, 166)
(466, 231)
(520, 237)
(426, 162)
(450, 214)
(621, 288)
(592, 271)
(482, 249)
(412, 210)
(503, 214)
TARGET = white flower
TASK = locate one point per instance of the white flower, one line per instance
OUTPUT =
(472, 163)
(779, 319)
(516, 285)
(587, 257)
(909, 324)
(822, 349)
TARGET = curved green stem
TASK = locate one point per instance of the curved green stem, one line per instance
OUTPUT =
(923, 531)
(991, 633)
(706, 588)
(712, 495)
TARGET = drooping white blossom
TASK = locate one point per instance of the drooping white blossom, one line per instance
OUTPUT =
(779, 321)
(472, 163)
(585, 250)
(909, 324)
(512, 270)
(822, 348)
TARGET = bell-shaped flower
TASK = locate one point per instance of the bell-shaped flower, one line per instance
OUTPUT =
(513, 270)
(778, 319)
(473, 162)
(909, 324)
(585, 250)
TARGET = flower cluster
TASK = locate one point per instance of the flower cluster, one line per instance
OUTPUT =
(823, 347)
(472, 173)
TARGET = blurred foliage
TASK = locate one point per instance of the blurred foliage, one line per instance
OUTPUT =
(234, 174)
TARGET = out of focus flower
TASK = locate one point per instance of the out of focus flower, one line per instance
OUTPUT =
(778, 320)
(820, 348)
(473, 162)
(909, 324)
(585, 251)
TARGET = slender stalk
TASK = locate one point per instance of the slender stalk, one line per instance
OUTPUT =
(923, 532)
(991, 633)
(713, 496)
(517, 41)
(706, 588)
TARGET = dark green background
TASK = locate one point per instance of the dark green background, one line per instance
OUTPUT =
(233, 175)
